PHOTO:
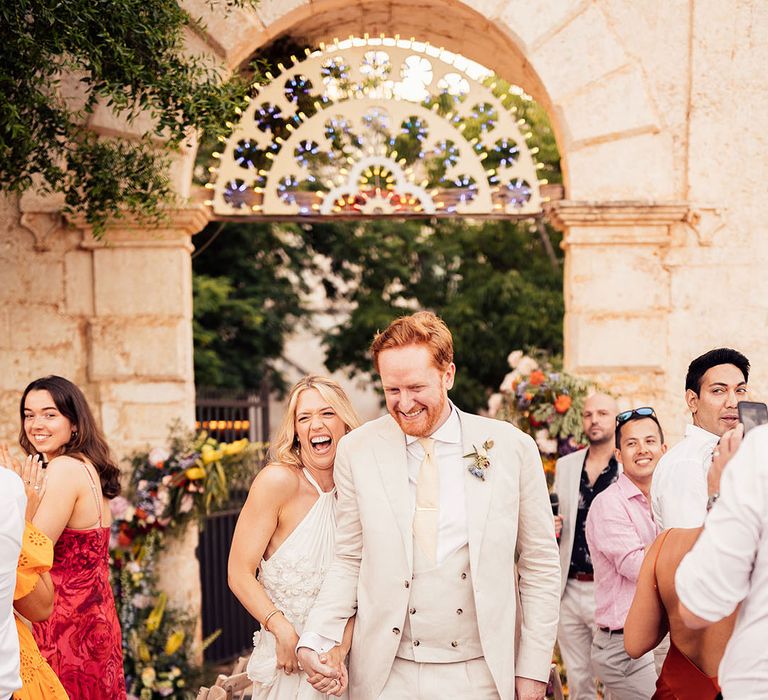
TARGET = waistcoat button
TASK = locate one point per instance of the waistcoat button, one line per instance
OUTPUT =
(412, 611)
(454, 644)
(463, 576)
(407, 584)
(416, 642)
(396, 630)
(459, 611)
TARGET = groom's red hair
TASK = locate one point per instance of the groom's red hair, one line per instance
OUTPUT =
(421, 328)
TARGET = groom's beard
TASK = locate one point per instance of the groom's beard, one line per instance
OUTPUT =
(425, 424)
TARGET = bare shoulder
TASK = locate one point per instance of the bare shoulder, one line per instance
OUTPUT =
(276, 483)
(65, 469)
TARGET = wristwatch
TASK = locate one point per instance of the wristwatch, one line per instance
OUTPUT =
(712, 500)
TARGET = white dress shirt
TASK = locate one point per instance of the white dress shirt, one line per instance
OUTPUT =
(679, 486)
(452, 524)
(13, 503)
(729, 564)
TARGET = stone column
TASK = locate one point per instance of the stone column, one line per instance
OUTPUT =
(139, 350)
(618, 296)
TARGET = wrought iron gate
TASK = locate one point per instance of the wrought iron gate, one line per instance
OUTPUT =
(227, 418)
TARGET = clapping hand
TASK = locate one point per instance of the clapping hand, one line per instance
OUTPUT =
(31, 473)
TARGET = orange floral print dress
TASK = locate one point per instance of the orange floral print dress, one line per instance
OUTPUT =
(39, 680)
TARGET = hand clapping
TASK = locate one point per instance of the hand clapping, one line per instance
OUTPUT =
(33, 475)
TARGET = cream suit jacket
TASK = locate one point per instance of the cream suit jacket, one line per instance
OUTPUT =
(513, 553)
(567, 486)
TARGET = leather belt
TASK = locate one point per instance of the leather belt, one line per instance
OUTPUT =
(579, 576)
(608, 630)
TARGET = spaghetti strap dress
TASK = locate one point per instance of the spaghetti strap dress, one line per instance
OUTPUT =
(291, 578)
(81, 640)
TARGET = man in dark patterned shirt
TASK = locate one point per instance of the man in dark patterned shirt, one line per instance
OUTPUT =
(579, 477)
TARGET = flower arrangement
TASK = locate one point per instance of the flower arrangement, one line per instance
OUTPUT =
(169, 488)
(544, 402)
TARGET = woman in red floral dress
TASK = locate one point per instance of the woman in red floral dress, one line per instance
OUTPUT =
(81, 640)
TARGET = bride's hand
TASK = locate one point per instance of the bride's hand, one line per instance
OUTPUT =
(335, 658)
(286, 640)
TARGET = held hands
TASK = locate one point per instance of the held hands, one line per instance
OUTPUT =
(335, 658)
(31, 473)
(322, 675)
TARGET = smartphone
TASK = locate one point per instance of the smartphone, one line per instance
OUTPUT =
(752, 414)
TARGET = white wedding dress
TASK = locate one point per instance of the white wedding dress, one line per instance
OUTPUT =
(292, 577)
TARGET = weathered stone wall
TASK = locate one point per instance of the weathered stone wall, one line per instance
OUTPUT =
(660, 113)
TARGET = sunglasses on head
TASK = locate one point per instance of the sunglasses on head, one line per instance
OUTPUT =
(643, 412)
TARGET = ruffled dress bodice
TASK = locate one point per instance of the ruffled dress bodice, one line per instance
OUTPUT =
(292, 577)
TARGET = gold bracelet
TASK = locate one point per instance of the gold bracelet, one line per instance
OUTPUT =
(267, 618)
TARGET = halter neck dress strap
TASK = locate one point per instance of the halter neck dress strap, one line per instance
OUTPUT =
(312, 481)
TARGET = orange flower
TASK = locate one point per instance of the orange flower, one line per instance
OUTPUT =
(527, 395)
(562, 403)
(537, 377)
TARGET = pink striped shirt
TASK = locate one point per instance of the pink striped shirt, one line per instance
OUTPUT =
(619, 526)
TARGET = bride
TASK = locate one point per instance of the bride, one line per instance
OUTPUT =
(285, 534)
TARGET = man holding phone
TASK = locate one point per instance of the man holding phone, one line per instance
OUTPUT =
(715, 384)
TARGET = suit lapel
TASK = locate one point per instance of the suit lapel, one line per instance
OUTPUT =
(392, 460)
(477, 491)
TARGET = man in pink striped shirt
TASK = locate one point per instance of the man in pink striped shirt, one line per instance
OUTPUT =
(620, 528)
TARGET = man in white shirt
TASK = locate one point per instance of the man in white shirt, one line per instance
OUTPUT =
(13, 503)
(715, 383)
(729, 564)
(445, 547)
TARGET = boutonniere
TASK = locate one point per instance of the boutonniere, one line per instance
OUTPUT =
(481, 461)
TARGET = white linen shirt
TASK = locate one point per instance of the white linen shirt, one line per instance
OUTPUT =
(729, 564)
(13, 503)
(679, 486)
(452, 523)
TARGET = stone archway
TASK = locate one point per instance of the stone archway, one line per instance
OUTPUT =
(641, 117)
(665, 255)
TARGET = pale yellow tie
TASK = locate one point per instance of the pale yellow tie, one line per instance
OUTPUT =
(425, 520)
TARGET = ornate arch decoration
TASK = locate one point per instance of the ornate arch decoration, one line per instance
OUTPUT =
(371, 127)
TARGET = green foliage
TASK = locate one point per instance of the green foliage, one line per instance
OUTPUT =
(247, 290)
(126, 54)
(491, 283)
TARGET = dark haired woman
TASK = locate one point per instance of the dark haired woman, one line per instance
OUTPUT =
(81, 639)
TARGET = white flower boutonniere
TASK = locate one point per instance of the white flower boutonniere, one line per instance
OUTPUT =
(481, 461)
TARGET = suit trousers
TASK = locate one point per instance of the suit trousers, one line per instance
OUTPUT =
(626, 678)
(575, 633)
(460, 680)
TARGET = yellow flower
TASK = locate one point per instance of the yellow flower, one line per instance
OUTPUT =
(234, 448)
(148, 676)
(144, 654)
(174, 642)
(156, 616)
(209, 456)
(194, 473)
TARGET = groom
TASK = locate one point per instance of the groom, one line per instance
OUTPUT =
(445, 546)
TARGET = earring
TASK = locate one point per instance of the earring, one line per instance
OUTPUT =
(73, 437)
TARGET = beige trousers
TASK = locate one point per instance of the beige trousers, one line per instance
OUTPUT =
(461, 680)
(624, 677)
(575, 632)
